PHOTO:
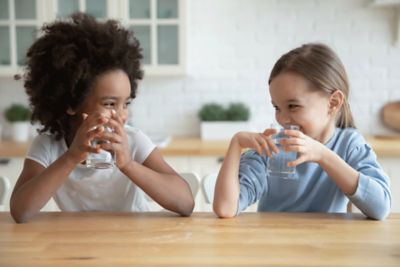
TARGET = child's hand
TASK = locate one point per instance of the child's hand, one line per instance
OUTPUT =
(88, 130)
(261, 142)
(118, 140)
(308, 149)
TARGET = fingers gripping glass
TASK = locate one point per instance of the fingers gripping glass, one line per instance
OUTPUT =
(104, 159)
(277, 164)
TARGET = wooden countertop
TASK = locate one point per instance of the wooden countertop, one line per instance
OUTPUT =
(164, 239)
(383, 146)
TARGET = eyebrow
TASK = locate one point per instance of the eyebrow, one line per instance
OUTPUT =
(288, 101)
(114, 98)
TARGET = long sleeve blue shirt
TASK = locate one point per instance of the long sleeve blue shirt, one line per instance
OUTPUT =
(314, 190)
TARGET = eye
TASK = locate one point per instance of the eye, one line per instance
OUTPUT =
(292, 106)
(276, 108)
(109, 104)
(128, 103)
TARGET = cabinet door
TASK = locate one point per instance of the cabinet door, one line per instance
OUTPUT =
(96, 8)
(19, 21)
(159, 26)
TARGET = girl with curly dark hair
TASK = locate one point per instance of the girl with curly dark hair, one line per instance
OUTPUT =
(81, 77)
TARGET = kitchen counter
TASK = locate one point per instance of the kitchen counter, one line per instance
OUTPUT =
(180, 146)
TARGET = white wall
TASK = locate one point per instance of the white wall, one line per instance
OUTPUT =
(233, 44)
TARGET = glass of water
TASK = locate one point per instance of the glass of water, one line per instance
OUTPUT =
(277, 164)
(104, 159)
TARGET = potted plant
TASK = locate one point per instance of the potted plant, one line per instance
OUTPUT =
(219, 123)
(18, 116)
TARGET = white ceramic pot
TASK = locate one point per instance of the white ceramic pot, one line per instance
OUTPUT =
(222, 130)
(20, 131)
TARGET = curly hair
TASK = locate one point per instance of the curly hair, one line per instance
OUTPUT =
(64, 62)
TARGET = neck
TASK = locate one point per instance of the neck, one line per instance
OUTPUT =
(327, 134)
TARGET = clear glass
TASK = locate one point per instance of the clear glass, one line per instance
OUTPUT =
(97, 8)
(142, 33)
(67, 7)
(139, 9)
(5, 46)
(25, 37)
(4, 9)
(167, 9)
(25, 9)
(167, 45)
(277, 164)
(102, 160)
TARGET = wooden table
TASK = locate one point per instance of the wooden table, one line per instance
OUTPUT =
(163, 239)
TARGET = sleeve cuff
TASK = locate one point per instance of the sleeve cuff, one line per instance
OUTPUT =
(362, 189)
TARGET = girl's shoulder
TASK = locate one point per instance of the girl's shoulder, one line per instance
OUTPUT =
(141, 145)
(135, 134)
(46, 140)
(350, 143)
(349, 136)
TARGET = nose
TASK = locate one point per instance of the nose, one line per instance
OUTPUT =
(284, 118)
(122, 112)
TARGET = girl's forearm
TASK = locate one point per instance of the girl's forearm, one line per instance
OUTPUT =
(31, 196)
(168, 190)
(345, 177)
(227, 187)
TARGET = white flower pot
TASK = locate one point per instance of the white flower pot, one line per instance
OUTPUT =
(20, 131)
(222, 130)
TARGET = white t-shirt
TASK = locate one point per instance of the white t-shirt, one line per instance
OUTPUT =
(92, 189)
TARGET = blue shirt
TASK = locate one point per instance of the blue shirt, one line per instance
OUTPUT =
(314, 190)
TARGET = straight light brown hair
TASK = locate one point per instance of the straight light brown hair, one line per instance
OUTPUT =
(320, 65)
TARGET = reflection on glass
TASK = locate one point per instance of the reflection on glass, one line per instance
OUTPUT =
(139, 9)
(67, 7)
(142, 33)
(168, 44)
(97, 8)
(167, 9)
(5, 46)
(25, 36)
(25, 9)
(4, 10)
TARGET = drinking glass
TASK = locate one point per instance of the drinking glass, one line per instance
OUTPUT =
(104, 159)
(277, 164)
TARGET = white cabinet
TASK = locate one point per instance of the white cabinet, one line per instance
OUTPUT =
(202, 165)
(19, 21)
(392, 168)
(11, 170)
(159, 25)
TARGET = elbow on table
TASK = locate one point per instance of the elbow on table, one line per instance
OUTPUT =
(187, 209)
(380, 214)
(19, 216)
(223, 212)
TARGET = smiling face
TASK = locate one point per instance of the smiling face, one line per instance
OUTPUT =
(110, 91)
(295, 103)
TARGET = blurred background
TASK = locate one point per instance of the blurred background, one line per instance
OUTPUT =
(200, 51)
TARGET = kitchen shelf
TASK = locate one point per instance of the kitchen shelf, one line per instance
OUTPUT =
(384, 146)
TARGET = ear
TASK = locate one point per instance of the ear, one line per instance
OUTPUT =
(70, 111)
(335, 102)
